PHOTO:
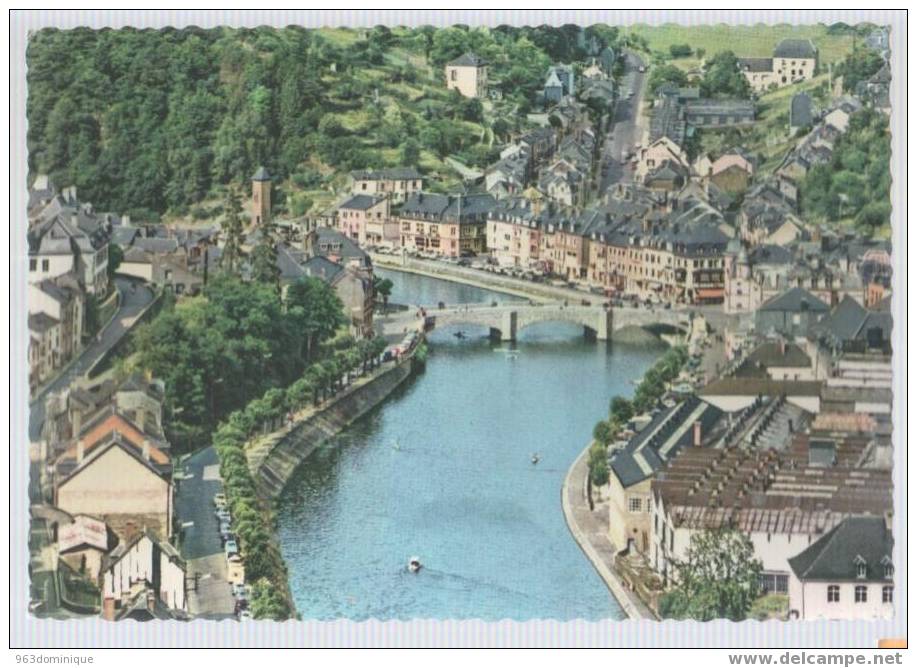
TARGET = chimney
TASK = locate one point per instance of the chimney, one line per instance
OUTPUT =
(80, 448)
(782, 347)
(108, 609)
(697, 433)
(150, 600)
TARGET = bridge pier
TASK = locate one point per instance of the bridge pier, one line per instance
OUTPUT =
(604, 325)
(508, 326)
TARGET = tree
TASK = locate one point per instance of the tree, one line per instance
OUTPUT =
(232, 231)
(410, 152)
(620, 410)
(680, 50)
(722, 76)
(598, 464)
(602, 432)
(315, 311)
(666, 74)
(115, 257)
(264, 257)
(383, 287)
(719, 579)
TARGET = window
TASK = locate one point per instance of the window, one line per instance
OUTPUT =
(889, 571)
(859, 594)
(635, 504)
(45, 265)
(887, 594)
(775, 583)
(861, 569)
(834, 593)
(33, 265)
(454, 74)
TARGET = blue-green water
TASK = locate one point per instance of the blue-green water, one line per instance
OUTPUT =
(442, 470)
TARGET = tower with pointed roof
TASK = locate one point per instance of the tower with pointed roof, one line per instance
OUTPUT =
(261, 197)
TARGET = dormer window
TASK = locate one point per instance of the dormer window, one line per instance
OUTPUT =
(889, 568)
(860, 567)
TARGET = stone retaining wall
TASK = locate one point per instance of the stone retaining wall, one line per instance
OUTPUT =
(351, 404)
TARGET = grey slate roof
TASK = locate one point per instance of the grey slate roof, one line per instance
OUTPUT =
(662, 439)
(261, 175)
(322, 268)
(795, 300)
(467, 59)
(124, 235)
(392, 174)
(151, 245)
(835, 556)
(41, 322)
(361, 202)
(770, 254)
(756, 64)
(795, 48)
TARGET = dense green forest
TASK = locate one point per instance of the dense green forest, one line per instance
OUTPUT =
(147, 121)
(856, 184)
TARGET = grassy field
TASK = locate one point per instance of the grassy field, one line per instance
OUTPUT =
(745, 41)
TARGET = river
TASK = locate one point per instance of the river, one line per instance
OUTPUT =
(442, 470)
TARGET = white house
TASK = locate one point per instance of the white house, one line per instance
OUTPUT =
(845, 574)
(146, 560)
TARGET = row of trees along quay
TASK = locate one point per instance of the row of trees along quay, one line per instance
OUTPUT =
(235, 361)
(320, 381)
(621, 409)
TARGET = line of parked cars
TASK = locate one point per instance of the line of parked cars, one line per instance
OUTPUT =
(240, 592)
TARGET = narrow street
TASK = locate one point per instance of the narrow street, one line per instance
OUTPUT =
(627, 130)
(132, 304)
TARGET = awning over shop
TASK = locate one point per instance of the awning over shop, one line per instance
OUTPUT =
(710, 293)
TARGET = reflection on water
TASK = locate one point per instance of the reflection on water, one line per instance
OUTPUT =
(443, 470)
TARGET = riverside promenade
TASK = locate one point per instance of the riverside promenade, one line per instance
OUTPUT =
(590, 529)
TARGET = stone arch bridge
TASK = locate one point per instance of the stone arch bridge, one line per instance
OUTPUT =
(505, 320)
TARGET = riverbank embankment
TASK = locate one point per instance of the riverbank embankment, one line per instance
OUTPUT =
(538, 292)
(590, 530)
(275, 458)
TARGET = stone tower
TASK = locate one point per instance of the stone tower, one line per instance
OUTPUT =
(261, 197)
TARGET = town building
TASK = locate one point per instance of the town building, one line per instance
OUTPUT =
(783, 501)
(635, 462)
(145, 568)
(67, 236)
(791, 313)
(794, 60)
(712, 113)
(83, 544)
(847, 573)
(367, 220)
(447, 225)
(396, 183)
(108, 474)
(468, 75)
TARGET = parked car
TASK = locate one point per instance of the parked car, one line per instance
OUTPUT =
(223, 515)
(464, 262)
(219, 500)
(231, 547)
(245, 616)
(225, 529)
(239, 590)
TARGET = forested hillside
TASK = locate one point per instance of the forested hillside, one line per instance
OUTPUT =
(306, 104)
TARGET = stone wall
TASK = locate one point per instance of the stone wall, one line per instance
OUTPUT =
(354, 402)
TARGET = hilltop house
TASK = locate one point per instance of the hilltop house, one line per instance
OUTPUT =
(468, 75)
(794, 60)
(396, 183)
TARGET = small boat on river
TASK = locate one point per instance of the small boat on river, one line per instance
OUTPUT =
(414, 564)
(535, 459)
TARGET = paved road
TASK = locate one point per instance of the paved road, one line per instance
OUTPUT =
(210, 594)
(627, 130)
(132, 303)
(194, 503)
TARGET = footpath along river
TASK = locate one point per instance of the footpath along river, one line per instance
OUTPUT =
(442, 470)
